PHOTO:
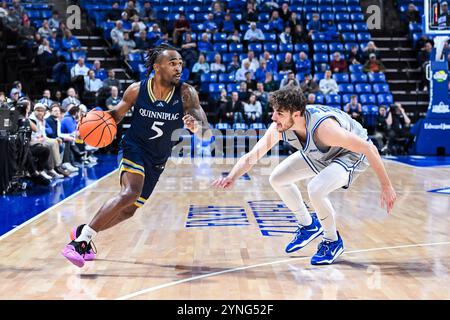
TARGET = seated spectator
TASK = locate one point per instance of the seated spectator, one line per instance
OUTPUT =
(113, 99)
(254, 63)
(289, 80)
(244, 92)
(114, 13)
(218, 11)
(154, 34)
(228, 25)
(131, 9)
(217, 66)
(303, 65)
(311, 99)
(272, 65)
(309, 85)
(250, 14)
(253, 33)
(260, 74)
(337, 64)
(142, 44)
(70, 42)
(261, 95)
(285, 13)
(137, 26)
(234, 64)
(294, 21)
(27, 40)
(398, 129)
(381, 130)
(111, 80)
(188, 51)
(354, 57)
(71, 99)
(287, 64)
(369, 49)
(330, 31)
(45, 56)
(54, 41)
(46, 99)
(270, 84)
(117, 35)
(16, 89)
(45, 30)
(91, 83)
(286, 36)
(314, 25)
(77, 74)
(147, 13)
(253, 109)
(125, 21)
(275, 22)
(12, 24)
(220, 114)
(251, 84)
(240, 73)
(354, 109)
(180, 27)
(236, 108)
(54, 21)
(97, 67)
(61, 73)
(328, 85)
(210, 24)
(412, 15)
(204, 44)
(200, 67)
(58, 97)
(127, 45)
(235, 37)
(374, 65)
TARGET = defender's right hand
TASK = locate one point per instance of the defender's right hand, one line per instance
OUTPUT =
(223, 182)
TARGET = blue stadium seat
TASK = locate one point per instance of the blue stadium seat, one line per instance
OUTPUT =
(208, 77)
(336, 46)
(223, 126)
(381, 88)
(377, 77)
(354, 8)
(219, 37)
(320, 47)
(348, 36)
(363, 36)
(358, 78)
(368, 98)
(415, 27)
(340, 9)
(241, 126)
(319, 76)
(357, 17)
(340, 2)
(136, 56)
(232, 87)
(226, 78)
(348, 46)
(298, 47)
(352, 2)
(196, 27)
(356, 68)
(64, 54)
(227, 57)
(320, 58)
(263, 17)
(360, 27)
(216, 87)
(346, 98)
(257, 126)
(344, 27)
(333, 99)
(300, 76)
(286, 47)
(34, 14)
(341, 77)
(272, 37)
(318, 36)
(323, 9)
(346, 88)
(236, 47)
(385, 98)
(256, 47)
(327, 17)
(220, 47)
(342, 17)
(209, 56)
(363, 88)
(272, 47)
(320, 98)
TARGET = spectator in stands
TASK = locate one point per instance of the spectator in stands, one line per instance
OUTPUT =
(137, 26)
(289, 80)
(286, 36)
(269, 84)
(374, 65)
(381, 129)
(188, 51)
(61, 73)
(54, 41)
(328, 85)
(311, 99)
(126, 24)
(114, 13)
(147, 13)
(77, 74)
(303, 65)
(26, 38)
(200, 67)
(219, 109)
(354, 57)
(253, 109)
(127, 45)
(287, 64)
(204, 44)
(294, 21)
(354, 109)
(314, 25)
(131, 9)
(210, 24)
(309, 85)
(54, 21)
(234, 64)
(250, 14)
(45, 56)
(154, 34)
(338, 64)
(71, 99)
(330, 31)
(285, 12)
(261, 95)
(45, 30)
(398, 129)
(46, 99)
(70, 42)
(91, 83)
(180, 27)
(244, 92)
(272, 65)
(444, 15)
(164, 39)
(254, 63)
(420, 44)
(3, 99)
(253, 33)
(58, 96)
(113, 99)
(411, 15)
(235, 109)
(111, 80)
(251, 84)
(228, 24)
(16, 89)
(13, 24)
(260, 74)
(97, 67)
(217, 66)
(275, 22)
(369, 49)
(142, 44)
(62, 29)
(240, 73)
(235, 37)
(117, 35)
(18, 7)
(218, 11)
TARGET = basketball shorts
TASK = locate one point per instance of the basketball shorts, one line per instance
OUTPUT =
(133, 158)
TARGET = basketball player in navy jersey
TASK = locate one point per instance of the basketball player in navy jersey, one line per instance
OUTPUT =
(333, 150)
(162, 104)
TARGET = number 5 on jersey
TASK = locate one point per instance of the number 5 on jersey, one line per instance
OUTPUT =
(158, 130)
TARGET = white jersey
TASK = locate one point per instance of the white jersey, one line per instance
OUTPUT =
(318, 156)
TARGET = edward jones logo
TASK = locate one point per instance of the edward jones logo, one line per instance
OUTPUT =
(440, 76)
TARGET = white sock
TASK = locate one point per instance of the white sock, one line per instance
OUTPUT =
(87, 234)
(330, 235)
(303, 217)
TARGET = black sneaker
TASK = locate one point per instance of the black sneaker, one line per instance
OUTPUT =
(89, 255)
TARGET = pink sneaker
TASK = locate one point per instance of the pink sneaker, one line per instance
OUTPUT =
(90, 253)
(74, 252)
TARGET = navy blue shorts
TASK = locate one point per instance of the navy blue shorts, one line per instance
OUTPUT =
(132, 158)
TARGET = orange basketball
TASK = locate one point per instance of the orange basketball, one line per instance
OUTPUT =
(97, 128)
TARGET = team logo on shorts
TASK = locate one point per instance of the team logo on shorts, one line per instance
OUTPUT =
(440, 76)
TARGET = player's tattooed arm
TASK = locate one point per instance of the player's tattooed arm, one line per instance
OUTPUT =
(128, 100)
(195, 117)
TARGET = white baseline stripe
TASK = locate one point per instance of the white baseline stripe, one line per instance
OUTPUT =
(174, 283)
(54, 206)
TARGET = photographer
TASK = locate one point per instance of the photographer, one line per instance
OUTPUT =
(399, 137)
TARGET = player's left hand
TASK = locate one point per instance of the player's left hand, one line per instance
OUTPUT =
(388, 197)
(191, 123)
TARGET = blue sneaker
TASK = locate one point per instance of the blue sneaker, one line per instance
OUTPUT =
(305, 234)
(328, 251)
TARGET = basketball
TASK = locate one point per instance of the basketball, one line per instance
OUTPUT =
(97, 129)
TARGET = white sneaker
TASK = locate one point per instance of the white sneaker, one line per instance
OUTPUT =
(68, 166)
(55, 174)
(45, 175)
(92, 159)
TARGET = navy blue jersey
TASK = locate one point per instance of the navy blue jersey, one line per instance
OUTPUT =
(154, 121)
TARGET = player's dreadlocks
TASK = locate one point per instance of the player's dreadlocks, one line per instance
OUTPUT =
(153, 54)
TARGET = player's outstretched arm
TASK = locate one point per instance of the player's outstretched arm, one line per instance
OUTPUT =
(331, 134)
(128, 100)
(247, 161)
(195, 117)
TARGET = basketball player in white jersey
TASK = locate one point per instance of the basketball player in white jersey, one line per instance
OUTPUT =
(333, 150)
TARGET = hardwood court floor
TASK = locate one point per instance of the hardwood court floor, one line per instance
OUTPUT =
(154, 256)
